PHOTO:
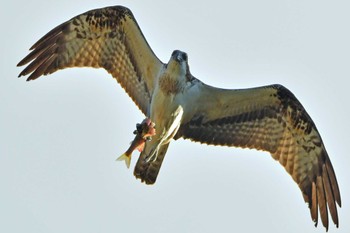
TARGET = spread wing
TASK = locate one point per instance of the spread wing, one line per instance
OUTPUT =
(108, 38)
(267, 118)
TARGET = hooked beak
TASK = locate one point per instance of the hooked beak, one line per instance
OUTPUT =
(179, 56)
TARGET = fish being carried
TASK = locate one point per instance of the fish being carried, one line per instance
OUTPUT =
(143, 132)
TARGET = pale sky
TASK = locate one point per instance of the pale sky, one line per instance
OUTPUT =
(60, 134)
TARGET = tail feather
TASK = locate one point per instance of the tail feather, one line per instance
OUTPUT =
(126, 158)
(148, 171)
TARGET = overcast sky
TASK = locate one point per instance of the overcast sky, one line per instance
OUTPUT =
(60, 135)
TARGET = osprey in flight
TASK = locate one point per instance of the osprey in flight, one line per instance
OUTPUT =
(268, 118)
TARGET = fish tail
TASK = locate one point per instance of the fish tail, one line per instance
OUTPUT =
(126, 158)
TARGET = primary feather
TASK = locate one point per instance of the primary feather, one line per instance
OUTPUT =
(268, 118)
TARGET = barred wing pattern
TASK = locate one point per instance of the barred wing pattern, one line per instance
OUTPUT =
(267, 118)
(108, 38)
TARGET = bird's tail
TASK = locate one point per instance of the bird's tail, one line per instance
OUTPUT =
(126, 158)
(148, 171)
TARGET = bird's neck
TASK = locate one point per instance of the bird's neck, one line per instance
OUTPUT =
(170, 84)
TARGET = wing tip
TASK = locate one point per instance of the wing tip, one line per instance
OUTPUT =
(324, 195)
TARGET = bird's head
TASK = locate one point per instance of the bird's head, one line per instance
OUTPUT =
(179, 56)
(178, 64)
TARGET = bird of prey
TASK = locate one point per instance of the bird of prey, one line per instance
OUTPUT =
(268, 118)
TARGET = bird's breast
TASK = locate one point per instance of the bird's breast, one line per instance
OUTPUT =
(170, 85)
(165, 101)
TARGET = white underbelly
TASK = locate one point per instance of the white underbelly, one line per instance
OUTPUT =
(166, 113)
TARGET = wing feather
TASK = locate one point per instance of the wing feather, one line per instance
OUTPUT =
(329, 195)
(266, 118)
(314, 203)
(322, 202)
(108, 38)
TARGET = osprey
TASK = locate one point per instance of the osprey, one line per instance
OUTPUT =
(268, 118)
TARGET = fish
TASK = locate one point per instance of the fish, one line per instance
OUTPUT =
(144, 132)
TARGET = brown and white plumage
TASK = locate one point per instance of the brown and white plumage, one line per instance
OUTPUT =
(105, 38)
(267, 118)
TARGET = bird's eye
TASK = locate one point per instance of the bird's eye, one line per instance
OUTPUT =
(174, 53)
(184, 56)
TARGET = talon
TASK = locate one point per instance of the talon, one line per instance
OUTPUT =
(139, 128)
(144, 132)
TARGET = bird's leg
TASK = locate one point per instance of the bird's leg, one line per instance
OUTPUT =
(168, 132)
(145, 130)
(143, 133)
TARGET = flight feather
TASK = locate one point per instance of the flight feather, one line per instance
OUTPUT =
(268, 118)
(108, 38)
